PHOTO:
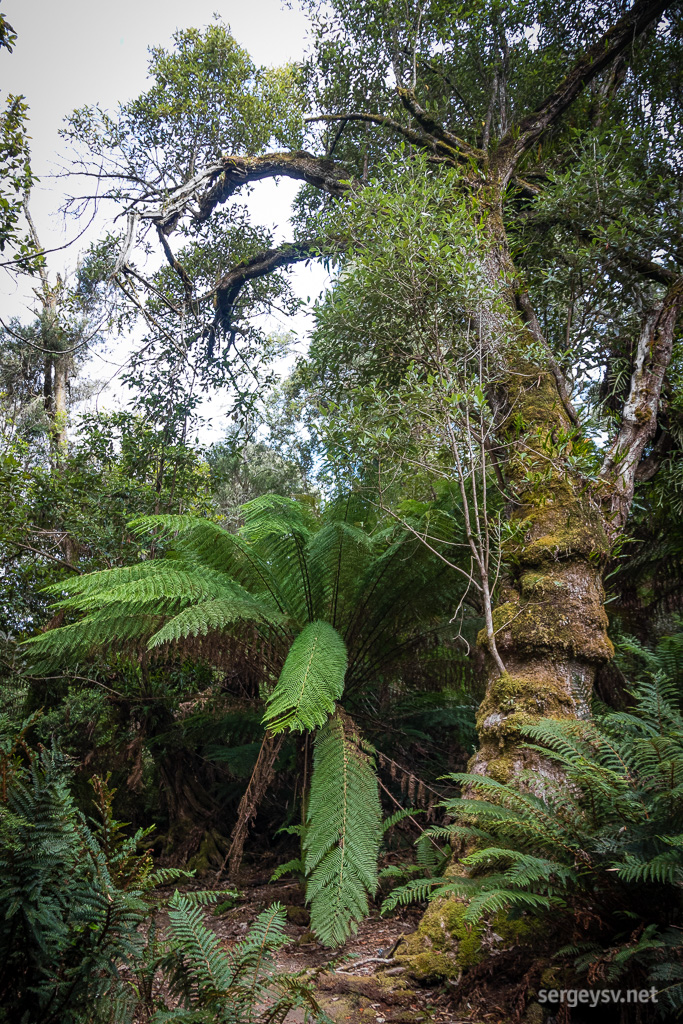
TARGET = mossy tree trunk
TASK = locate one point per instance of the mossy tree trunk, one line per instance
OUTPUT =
(550, 624)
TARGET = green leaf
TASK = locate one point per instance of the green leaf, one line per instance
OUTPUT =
(343, 832)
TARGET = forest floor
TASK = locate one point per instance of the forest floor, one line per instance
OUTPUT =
(348, 988)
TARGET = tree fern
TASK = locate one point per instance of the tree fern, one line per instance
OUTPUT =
(343, 828)
(335, 609)
(312, 679)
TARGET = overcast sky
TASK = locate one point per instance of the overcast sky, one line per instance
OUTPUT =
(70, 53)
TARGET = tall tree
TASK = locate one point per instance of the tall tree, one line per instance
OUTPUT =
(498, 93)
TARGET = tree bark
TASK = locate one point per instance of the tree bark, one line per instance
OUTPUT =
(550, 624)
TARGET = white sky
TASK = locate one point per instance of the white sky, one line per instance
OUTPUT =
(70, 53)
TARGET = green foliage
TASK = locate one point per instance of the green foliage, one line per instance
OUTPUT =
(207, 98)
(595, 851)
(342, 834)
(73, 898)
(16, 179)
(338, 609)
(238, 986)
(70, 897)
(312, 679)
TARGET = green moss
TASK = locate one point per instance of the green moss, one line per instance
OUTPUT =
(566, 618)
(501, 769)
(428, 967)
(518, 931)
(516, 701)
(210, 855)
(443, 945)
(298, 915)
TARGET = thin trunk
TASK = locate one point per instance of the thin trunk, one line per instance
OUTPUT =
(59, 402)
(261, 778)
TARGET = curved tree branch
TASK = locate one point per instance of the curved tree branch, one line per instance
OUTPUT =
(226, 178)
(454, 145)
(230, 285)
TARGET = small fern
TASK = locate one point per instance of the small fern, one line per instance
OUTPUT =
(599, 857)
(241, 985)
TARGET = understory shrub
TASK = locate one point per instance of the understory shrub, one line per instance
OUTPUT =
(79, 939)
(592, 853)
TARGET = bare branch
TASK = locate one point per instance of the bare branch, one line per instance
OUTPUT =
(185, 278)
(122, 258)
(46, 554)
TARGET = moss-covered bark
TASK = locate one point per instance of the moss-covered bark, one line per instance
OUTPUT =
(550, 625)
(549, 622)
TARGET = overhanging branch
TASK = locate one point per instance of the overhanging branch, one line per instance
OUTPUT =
(226, 178)
(230, 285)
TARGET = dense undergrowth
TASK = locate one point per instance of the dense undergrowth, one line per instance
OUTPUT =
(79, 900)
(582, 864)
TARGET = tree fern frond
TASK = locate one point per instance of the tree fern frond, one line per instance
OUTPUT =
(343, 831)
(275, 514)
(167, 525)
(154, 581)
(312, 679)
(100, 629)
(200, 619)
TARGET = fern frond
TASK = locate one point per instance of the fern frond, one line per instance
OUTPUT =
(343, 831)
(290, 867)
(201, 619)
(100, 629)
(312, 679)
(398, 816)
